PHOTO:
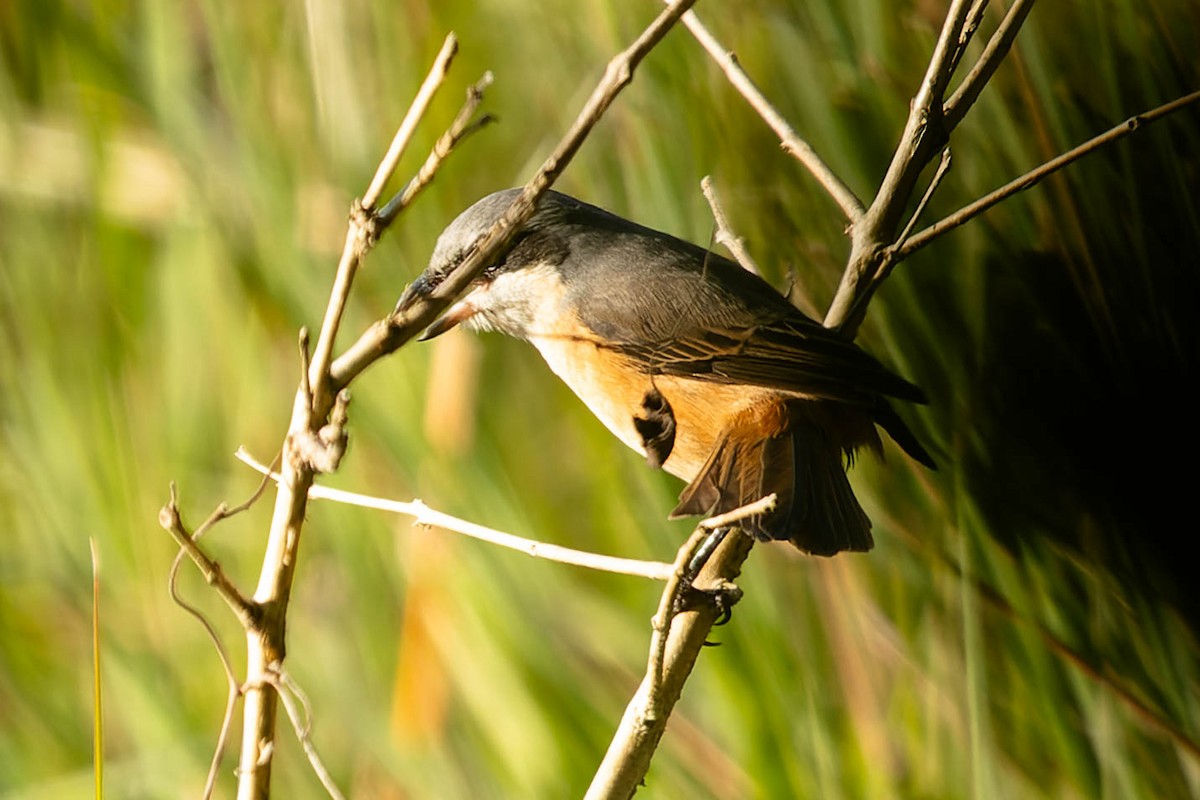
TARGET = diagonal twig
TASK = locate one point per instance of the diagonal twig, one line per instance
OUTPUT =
(414, 314)
(363, 229)
(424, 515)
(464, 125)
(997, 48)
(733, 243)
(792, 143)
(265, 642)
(289, 692)
(970, 25)
(1129, 126)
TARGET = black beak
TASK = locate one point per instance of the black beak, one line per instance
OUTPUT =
(415, 291)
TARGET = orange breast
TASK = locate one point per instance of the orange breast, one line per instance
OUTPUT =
(613, 387)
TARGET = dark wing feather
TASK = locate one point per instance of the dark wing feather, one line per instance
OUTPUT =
(788, 354)
(681, 310)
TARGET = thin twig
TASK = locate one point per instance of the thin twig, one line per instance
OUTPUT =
(803, 152)
(968, 212)
(265, 645)
(997, 48)
(661, 622)
(288, 692)
(416, 111)
(170, 519)
(364, 226)
(942, 168)
(733, 243)
(424, 515)
(416, 313)
(464, 125)
(974, 17)
(761, 506)
(234, 691)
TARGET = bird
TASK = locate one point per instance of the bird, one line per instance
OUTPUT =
(692, 361)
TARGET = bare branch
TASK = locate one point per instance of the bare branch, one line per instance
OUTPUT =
(974, 17)
(265, 637)
(851, 206)
(942, 168)
(464, 125)
(725, 236)
(189, 546)
(413, 314)
(628, 757)
(416, 111)
(424, 515)
(924, 134)
(661, 622)
(1032, 177)
(997, 48)
(363, 230)
(289, 691)
(761, 506)
(669, 604)
(170, 519)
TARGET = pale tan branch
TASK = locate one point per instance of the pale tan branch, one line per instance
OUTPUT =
(924, 134)
(792, 143)
(629, 754)
(725, 235)
(289, 691)
(363, 230)
(190, 547)
(761, 506)
(169, 518)
(424, 515)
(997, 48)
(464, 125)
(265, 645)
(974, 17)
(678, 635)
(670, 602)
(972, 210)
(416, 112)
(661, 622)
(415, 313)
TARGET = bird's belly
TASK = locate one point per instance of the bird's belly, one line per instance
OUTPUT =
(613, 387)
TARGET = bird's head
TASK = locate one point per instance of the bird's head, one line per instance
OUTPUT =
(515, 284)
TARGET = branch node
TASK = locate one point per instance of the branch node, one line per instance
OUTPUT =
(725, 235)
(365, 223)
(322, 452)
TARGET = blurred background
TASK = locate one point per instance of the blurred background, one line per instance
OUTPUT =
(174, 184)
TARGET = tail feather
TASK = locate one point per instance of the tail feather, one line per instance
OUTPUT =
(887, 418)
(815, 507)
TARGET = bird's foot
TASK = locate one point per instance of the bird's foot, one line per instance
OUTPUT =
(721, 597)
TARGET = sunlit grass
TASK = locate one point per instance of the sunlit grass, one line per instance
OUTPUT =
(173, 185)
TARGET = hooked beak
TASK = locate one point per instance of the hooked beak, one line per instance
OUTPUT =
(459, 312)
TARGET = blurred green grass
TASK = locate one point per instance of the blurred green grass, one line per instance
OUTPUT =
(174, 180)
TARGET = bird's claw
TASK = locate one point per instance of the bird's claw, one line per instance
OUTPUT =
(722, 597)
